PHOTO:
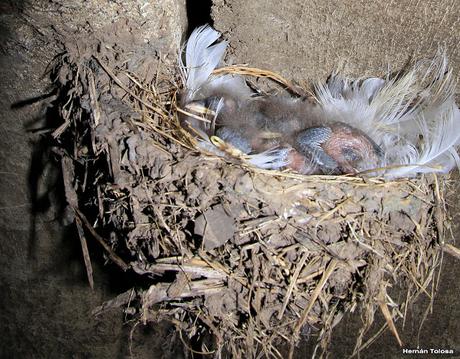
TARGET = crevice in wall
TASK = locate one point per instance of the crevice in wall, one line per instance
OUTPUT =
(198, 13)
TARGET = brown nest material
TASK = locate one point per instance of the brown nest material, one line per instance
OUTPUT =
(256, 257)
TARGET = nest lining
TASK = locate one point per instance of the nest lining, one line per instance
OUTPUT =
(258, 258)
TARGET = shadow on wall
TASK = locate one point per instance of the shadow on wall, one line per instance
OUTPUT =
(47, 194)
(198, 13)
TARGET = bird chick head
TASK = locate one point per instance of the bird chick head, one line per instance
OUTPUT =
(352, 149)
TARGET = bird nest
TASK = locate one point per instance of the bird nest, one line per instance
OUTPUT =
(253, 259)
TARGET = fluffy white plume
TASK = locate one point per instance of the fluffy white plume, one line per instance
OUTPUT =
(274, 159)
(202, 56)
(271, 159)
(412, 117)
(437, 148)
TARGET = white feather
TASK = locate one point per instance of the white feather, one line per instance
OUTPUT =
(202, 56)
(397, 112)
(438, 153)
(272, 159)
(351, 102)
(429, 129)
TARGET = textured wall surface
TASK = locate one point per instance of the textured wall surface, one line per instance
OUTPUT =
(305, 40)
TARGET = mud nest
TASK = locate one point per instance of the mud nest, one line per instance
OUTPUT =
(252, 259)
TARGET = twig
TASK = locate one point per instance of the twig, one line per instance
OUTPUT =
(387, 315)
(252, 71)
(450, 249)
(293, 283)
(116, 259)
(84, 248)
(327, 273)
(127, 90)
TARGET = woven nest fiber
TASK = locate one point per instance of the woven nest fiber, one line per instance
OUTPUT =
(242, 260)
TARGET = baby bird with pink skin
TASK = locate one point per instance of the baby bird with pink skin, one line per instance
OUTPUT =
(395, 127)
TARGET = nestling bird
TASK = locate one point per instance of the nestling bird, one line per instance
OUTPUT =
(373, 125)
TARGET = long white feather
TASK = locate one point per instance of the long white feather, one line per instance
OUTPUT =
(203, 53)
(429, 130)
(438, 150)
(202, 56)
